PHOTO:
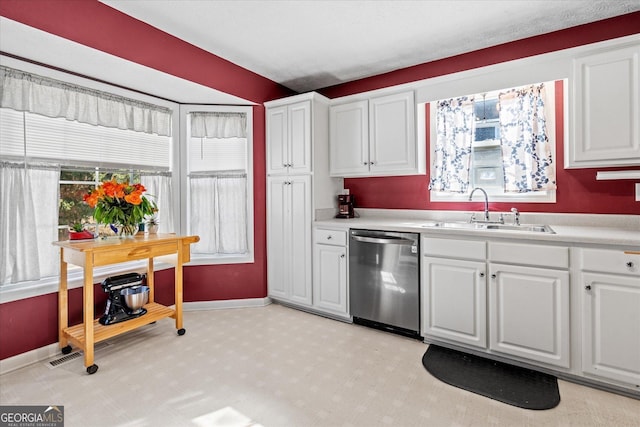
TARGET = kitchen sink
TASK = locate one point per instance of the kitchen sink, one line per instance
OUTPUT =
(525, 227)
(484, 226)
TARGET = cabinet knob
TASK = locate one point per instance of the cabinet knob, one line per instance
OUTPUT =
(372, 163)
(588, 287)
(630, 264)
(342, 256)
(366, 163)
(329, 237)
(493, 276)
(481, 274)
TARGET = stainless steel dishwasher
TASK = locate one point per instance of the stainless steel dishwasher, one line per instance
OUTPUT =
(384, 280)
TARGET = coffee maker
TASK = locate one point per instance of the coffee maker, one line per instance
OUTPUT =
(346, 203)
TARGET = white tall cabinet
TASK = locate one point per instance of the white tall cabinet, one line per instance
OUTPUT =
(298, 186)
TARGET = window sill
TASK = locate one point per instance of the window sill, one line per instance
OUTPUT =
(48, 285)
(206, 259)
(540, 197)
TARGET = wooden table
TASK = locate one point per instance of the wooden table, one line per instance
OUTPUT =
(94, 253)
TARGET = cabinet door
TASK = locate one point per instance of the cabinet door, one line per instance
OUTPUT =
(607, 109)
(611, 327)
(277, 140)
(330, 278)
(299, 146)
(278, 233)
(392, 141)
(349, 139)
(299, 223)
(454, 300)
(529, 313)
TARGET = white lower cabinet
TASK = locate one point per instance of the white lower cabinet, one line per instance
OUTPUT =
(330, 272)
(611, 316)
(454, 300)
(514, 310)
(529, 313)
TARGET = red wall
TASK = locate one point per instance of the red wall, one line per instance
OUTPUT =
(94, 24)
(578, 191)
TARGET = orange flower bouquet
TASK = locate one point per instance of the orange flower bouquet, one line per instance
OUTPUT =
(120, 204)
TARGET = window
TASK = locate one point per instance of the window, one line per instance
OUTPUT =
(218, 182)
(53, 149)
(502, 141)
(47, 162)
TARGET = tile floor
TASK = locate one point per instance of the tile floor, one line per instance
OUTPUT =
(278, 367)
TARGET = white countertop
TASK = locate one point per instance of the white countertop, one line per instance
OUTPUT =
(623, 232)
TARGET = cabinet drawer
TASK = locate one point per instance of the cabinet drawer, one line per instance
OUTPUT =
(609, 261)
(529, 254)
(454, 248)
(134, 253)
(331, 237)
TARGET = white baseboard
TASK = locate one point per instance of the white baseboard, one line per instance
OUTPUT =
(30, 357)
(43, 353)
(230, 303)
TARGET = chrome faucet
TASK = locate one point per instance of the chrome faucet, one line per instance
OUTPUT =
(516, 216)
(486, 202)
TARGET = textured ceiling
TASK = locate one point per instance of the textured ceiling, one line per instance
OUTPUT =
(307, 45)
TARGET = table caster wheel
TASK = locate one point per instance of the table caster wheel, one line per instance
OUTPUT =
(181, 331)
(66, 349)
(92, 369)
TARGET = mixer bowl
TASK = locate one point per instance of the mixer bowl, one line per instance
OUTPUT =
(135, 298)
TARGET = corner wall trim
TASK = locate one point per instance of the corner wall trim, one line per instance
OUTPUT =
(43, 353)
(28, 358)
(223, 304)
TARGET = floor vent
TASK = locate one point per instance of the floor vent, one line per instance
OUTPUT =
(72, 356)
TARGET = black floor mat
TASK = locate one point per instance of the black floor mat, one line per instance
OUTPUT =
(506, 383)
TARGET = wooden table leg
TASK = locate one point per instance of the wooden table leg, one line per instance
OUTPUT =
(63, 302)
(178, 290)
(150, 280)
(88, 312)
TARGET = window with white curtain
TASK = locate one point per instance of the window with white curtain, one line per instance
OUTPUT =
(57, 139)
(502, 141)
(218, 182)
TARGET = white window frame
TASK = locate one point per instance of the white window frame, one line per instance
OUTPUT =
(197, 259)
(50, 284)
(532, 197)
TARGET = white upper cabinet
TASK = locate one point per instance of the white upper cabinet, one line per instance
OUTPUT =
(349, 139)
(606, 108)
(375, 137)
(289, 139)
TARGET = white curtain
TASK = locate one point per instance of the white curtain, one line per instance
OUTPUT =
(218, 125)
(28, 222)
(160, 191)
(218, 213)
(526, 151)
(452, 155)
(23, 91)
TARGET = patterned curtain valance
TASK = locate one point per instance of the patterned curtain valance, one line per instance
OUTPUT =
(218, 125)
(24, 91)
(527, 154)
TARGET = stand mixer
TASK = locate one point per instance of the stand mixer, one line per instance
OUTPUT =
(127, 295)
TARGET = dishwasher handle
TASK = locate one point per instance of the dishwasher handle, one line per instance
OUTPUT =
(389, 240)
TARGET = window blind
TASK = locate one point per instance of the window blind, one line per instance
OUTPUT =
(214, 154)
(70, 142)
